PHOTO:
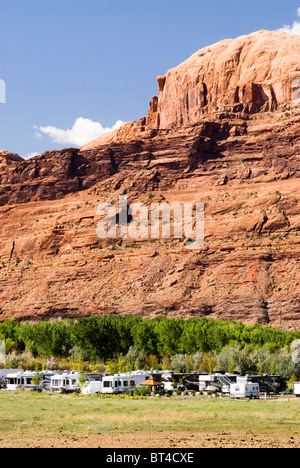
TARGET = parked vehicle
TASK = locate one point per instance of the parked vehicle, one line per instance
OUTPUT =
(65, 383)
(186, 381)
(5, 372)
(122, 383)
(244, 389)
(270, 383)
(23, 380)
(296, 386)
(225, 381)
(209, 383)
(92, 387)
(3, 375)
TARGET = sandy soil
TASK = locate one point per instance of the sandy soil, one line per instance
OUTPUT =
(183, 440)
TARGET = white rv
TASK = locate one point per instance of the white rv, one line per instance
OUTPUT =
(23, 380)
(209, 383)
(4, 373)
(244, 389)
(65, 383)
(92, 387)
(296, 386)
(122, 383)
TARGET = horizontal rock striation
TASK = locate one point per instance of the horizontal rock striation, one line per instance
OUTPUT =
(241, 159)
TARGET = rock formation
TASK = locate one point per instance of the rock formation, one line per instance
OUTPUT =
(224, 131)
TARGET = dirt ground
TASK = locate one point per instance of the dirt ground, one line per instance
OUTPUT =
(152, 440)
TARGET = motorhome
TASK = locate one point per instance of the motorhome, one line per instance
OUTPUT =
(23, 380)
(181, 381)
(122, 383)
(68, 382)
(5, 372)
(209, 383)
(269, 383)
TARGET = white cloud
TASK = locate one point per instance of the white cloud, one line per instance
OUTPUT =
(31, 155)
(82, 132)
(294, 29)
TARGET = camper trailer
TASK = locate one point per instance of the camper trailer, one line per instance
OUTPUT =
(65, 383)
(244, 389)
(122, 383)
(92, 387)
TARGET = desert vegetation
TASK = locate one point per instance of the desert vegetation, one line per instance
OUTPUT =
(117, 344)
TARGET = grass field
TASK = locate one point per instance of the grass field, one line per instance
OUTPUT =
(49, 420)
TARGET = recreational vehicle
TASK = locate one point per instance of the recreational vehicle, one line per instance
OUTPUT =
(209, 383)
(296, 386)
(269, 383)
(244, 389)
(92, 387)
(65, 383)
(218, 382)
(4, 373)
(122, 383)
(23, 380)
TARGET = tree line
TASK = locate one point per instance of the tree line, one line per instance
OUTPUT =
(107, 337)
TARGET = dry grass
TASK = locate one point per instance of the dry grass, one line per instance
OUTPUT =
(44, 420)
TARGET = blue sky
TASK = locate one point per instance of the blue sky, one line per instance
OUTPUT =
(95, 62)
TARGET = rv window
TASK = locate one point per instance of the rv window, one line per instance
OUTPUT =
(107, 384)
(67, 382)
(28, 381)
(73, 382)
(116, 384)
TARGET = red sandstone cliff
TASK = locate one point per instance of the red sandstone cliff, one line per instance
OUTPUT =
(233, 144)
